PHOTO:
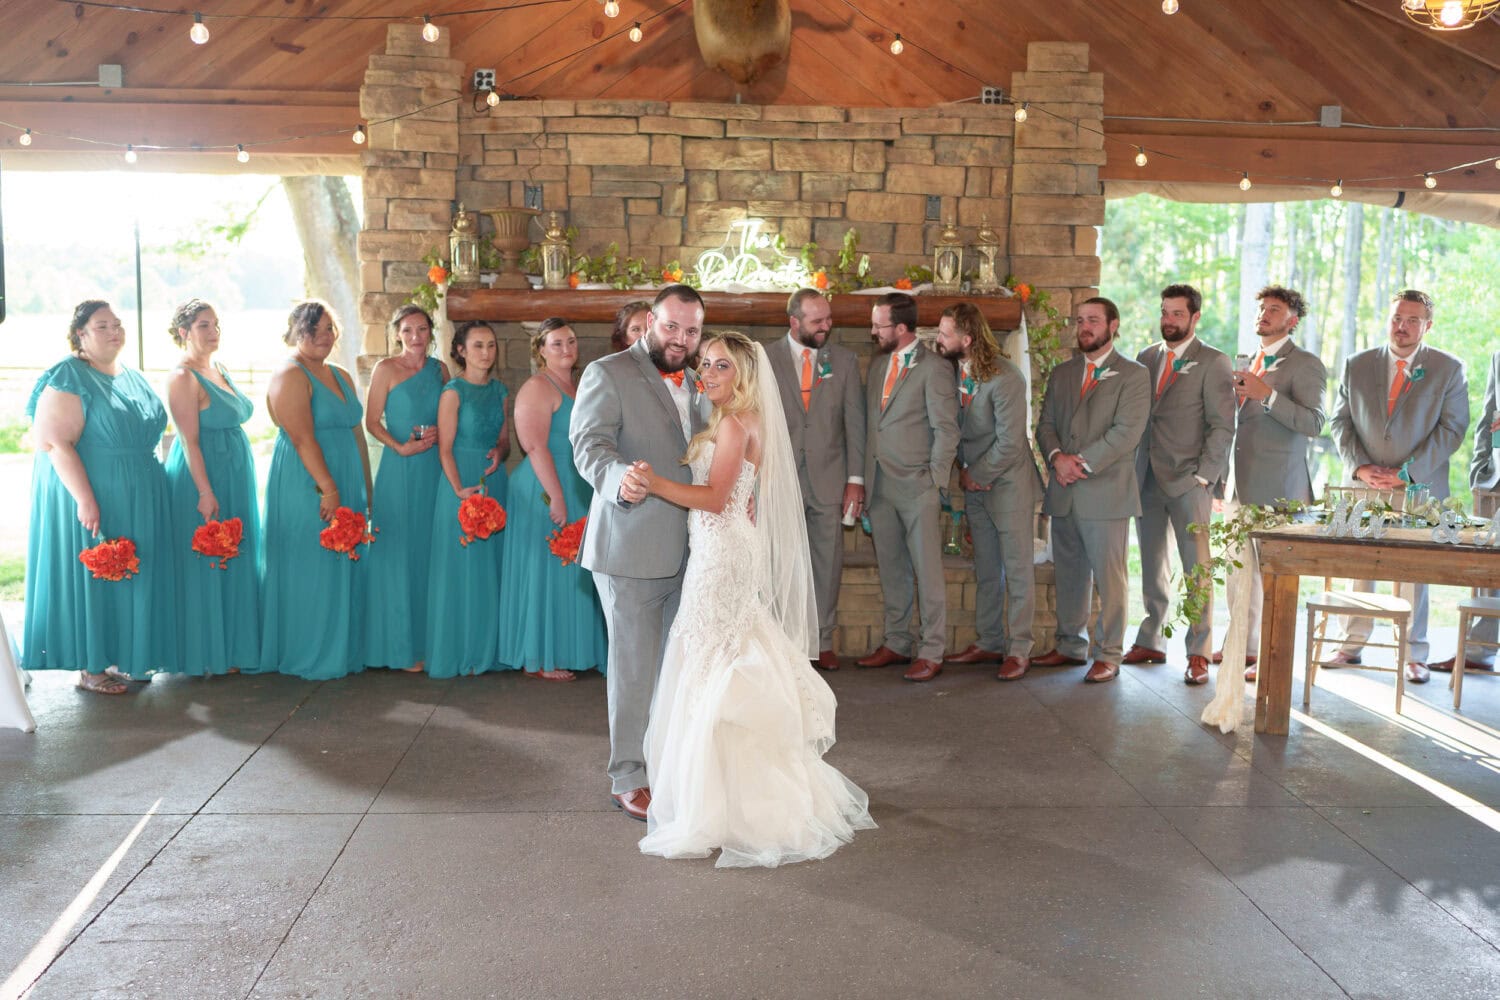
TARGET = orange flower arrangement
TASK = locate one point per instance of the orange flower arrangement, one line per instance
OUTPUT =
(1023, 292)
(903, 283)
(479, 516)
(671, 275)
(437, 274)
(346, 533)
(219, 540)
(573, 280)
(567, 540)
(820, 279)
(113, 559)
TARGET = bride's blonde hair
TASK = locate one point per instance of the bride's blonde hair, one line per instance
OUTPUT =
(745, 396)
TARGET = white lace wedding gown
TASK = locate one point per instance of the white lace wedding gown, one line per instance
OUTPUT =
(740, 720)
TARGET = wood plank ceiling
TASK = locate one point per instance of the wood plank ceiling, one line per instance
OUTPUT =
(1211, 79)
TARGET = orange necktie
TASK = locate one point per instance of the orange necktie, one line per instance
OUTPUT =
(890, 380)
(806, 379)
(1397, 384)
(1166, 375)
(1088, 380)
(1260, 363)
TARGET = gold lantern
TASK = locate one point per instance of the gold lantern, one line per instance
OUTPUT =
(556, 255)
(987, 250)
(948, 261)
(463, 249)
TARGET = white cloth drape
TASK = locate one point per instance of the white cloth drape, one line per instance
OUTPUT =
(14, 712)
(1227, 709)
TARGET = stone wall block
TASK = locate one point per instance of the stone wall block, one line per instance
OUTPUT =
(510, 140)
(790, 154)
(825, 187)
(1044, 178)
(526, 126)
(972, 151)
(391, 158)
(977, 211)
(715, 218)
(1057, 271)
(418, 213)
(727, 154)
(1084, 210)
(796, 232)
(597, 212)
(627, 189)
(874, 237)
(580, 181)
(908, 178)
(1042, 241)
(674, 199)
(870, 156)
(1067, 57)
(708, 128)
(702, 185)
(862, 130)
(479, 195)
(637, 172)
(722, 112)
(906, 154)
(875, 206)
(977, 181)
(770, 130)
(594, 126)
(600, 150)
(666, 150)
(1085, 241)
(659, 230)
(620, 109)
(436, 137)
(773, 185)
(932, 126)
(802, 113)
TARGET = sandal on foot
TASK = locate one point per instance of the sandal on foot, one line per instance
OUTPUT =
(127, 678)
(101, 683)
(420, 667)
(552, 675)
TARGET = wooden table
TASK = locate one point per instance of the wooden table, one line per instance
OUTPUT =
(1404, 555)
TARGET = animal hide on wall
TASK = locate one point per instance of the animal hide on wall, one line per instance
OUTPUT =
(743, 38)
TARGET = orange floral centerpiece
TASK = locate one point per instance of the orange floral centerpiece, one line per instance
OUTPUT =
(479, 516)
(566, 541)
(346, 533)
(437, 274)
(113, 559)
(219, 540)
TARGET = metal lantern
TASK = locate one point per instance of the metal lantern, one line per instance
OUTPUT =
(987, 249)
(463, 249)
(948, 261)
(556, 255)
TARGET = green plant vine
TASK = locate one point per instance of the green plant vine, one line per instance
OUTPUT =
(1227, 538)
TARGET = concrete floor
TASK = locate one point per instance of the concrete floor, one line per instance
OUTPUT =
(391, 836)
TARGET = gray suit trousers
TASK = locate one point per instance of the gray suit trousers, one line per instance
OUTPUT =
(907, 546)
(639, 614)
(1086, 554)
(1357, 630)
(1160, 512)
(825, 539)
(1004, 554)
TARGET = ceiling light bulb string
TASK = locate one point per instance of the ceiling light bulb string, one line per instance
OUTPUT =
(622, 32)
(417, 17)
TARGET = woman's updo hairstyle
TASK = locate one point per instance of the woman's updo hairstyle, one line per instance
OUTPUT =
(304, 320)
(539, 340)
(184, 318)
(461, 340)
(412, 309)
(82, 313)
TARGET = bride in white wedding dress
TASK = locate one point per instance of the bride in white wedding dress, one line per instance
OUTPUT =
(740, 720)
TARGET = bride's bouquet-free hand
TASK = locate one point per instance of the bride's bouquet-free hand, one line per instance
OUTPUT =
(567, 540)
(479, 516)
(219, 540)
(113, 559)
(346, 533)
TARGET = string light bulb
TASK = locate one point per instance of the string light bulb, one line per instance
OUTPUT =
(26, 141)
(429, 30)
(1338, 188)
(611, 8)
(1245, 181)
(1169, 6)
(897, 45)
(1429, 181)
(359, 135)
(1140, 156)
(130, 156)
(199, 31)
(492, 99)
(1452, 14)
(1021, 113)
(635, 32)
(1497, 159)
(240, 153)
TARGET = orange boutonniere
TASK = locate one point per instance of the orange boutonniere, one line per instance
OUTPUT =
(219, 540)
(437, 274)
(573, 280)
(479, 516)
(566, 541)
(346, 533)
(904, 284)
(113, 559)
(820, 280)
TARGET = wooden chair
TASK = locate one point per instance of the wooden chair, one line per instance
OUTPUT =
(1486, 504)
(1322, 608)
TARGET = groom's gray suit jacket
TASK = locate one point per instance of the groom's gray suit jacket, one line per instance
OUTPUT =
(624, 413)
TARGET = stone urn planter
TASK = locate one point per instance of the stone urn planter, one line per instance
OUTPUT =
(512, 235)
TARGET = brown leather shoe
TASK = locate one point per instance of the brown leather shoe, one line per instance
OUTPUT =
(1446, 666)
(1197, 670)
(1101, 671)
(1055, 659)
(1013, 668)
(827, 660)
(633, 803)
(883, 656)
(923, 670)
(1142, 654)
(974, 654)
(1251, 674)
(1342, 658)
(1218, 658)
(1416, 673)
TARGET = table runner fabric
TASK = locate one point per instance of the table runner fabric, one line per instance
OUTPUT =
(1227, 708)
(14, 712)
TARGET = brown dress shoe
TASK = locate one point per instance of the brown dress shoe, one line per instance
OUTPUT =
(974, 654)
(1055, 659)
(923, 670)
(827, 660)
(1013, 668)
(1197, 670)
(1218, 658)
(1446, 666)
(1142, 654)
(1101, 671)
(1416, 673)
(1251, 674)
(1342, 658)
(883, 656)
(633, 803)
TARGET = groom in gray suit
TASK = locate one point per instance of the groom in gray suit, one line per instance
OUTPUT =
(825, 416)
(641, 404)
(1403, 411)
(1093, 415)
(911, 435)
(1183, 457)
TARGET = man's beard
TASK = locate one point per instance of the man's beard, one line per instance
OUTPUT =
(1173, 334)
(812, 339)
(952, 353)
(658, 355)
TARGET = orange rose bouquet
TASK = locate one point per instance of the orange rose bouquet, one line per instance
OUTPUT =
(346, 533)
(479, 517)
(219, 540)
(113, 559)
(567, 540)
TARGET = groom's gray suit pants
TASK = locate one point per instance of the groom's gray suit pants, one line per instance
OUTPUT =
(638, 614)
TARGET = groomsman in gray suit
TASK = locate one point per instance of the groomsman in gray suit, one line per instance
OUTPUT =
(825, 415)
(911, 435)
(1484, 474)
(1093, 415)
(1403, 411)
(1001, 484)
(632, 406)
(1183, 457)
(1279, 410)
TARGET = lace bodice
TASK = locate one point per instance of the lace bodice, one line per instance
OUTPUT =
(720, 588)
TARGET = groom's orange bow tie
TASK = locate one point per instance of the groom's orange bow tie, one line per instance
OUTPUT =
(674, 377)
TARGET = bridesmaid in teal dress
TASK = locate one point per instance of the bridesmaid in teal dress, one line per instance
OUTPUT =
(473, 440)
(550, 622)
(401, 413)
(211, 476)
(96, 476)
(312, 599)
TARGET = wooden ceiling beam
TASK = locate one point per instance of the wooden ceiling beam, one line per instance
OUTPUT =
(1480, 43)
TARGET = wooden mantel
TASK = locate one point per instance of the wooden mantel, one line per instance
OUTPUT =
(723, 309)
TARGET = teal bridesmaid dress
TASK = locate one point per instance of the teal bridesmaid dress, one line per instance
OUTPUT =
(405, 487)
(465, 579)
(550, 618)
(221, 623)
(73, 621)
(313, 599)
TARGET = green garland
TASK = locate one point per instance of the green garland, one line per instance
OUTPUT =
(1227, 538)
